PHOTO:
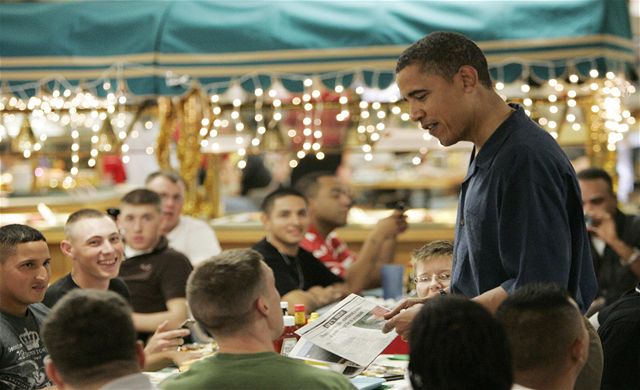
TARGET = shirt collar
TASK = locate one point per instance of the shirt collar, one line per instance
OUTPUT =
(494, 143)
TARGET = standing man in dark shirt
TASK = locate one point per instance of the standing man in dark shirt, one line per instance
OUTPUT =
(520, 214)
(615, 237)
(155, 274)
(24, 275)
(300, 277)
(93, 244)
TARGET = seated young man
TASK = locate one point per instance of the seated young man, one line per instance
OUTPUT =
(458, 344)
(92, 242)
(329, 201)
(547, 334)
(24, 276)
(79, 359)
(432, 266)
(155, 274)
(234, 296)
(300, 277)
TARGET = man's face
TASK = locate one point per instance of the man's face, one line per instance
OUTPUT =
(95, 246)
(272, 296)
(435, 103)
(287, 221)
(24, 276)
(332, 202)
(172, 195)
(433, 274)
(597, 197)
(139, 225)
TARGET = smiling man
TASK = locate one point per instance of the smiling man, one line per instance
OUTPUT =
(93, 244)
(300, 277)
(520, 214)
(24, 275)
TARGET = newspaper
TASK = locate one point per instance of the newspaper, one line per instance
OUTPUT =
(349, 335)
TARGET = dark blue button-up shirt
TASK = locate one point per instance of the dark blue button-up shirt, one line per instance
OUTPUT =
(520, 217)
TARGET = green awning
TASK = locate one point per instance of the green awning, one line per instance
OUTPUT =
(153, 43)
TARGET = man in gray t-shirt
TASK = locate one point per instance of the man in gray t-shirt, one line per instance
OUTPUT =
(24, 276)
(21, 349)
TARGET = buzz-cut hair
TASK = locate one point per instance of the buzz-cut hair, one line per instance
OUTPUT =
(269, 200)
(443, 53)
(432, 249)
(14, 234)
(222, 290)
(79, 216)
(142, 197)
(472, 349)
(90, 337)
(541, 323)
(172, 176)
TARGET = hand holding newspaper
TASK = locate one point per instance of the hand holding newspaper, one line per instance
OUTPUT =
(349, 335)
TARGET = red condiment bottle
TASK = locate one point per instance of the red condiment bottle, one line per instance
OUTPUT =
(287, 340)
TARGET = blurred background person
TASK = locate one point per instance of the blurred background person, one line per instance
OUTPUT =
(615, 237)
(190, 236)
(329, 203)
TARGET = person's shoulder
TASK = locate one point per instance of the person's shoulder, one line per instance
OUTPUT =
(265, 248)
(39, 310)
(57, 290)
(174, 259)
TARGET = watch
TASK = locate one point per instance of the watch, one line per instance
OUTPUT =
(635, 255)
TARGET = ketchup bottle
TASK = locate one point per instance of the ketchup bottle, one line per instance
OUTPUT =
(287, 340)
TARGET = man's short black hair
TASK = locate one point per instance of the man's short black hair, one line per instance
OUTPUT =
(14, 234)
(443, 53)
(596, 174)
(456, 344)
(541, 323)
(309, 183)
(269, 200)
(90, 337)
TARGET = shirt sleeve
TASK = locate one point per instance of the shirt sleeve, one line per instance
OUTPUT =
(173, 280)
(534, 242)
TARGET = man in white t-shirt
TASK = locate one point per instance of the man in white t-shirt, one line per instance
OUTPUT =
(190, 236)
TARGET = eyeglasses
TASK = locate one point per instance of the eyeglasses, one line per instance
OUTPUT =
(441, 277)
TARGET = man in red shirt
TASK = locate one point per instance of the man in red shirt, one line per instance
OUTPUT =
(329, 203)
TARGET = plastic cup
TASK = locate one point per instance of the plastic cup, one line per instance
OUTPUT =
(392, 281)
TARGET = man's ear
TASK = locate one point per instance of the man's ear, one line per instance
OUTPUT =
(264, 218)
(469, 77)
(52, 373)
(66, 248)
(261, 306)
(580, 349)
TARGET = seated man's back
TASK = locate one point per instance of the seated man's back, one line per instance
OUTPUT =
(265, 370)
(234, 296)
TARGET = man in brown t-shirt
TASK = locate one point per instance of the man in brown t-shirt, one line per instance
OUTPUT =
(155, 274)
